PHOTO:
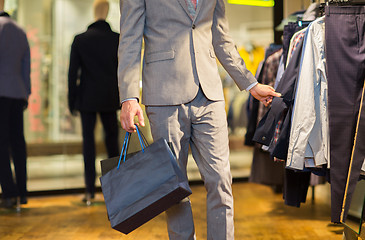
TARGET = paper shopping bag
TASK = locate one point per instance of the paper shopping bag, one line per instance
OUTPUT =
(146, 184)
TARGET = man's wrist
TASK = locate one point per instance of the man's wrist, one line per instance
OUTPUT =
(129, 99)
(251, 86)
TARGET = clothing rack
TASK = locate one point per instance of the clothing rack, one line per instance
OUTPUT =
(339, 3)
(344, 2)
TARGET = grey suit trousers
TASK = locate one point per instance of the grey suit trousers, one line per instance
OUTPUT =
(200, 124)
(345, 54)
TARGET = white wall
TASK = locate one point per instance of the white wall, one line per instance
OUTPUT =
(250, 24)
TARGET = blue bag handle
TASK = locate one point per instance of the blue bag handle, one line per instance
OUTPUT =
(142, 141)
(124, 148)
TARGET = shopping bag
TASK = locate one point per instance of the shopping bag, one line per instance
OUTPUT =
(142, 185)
(110, 163)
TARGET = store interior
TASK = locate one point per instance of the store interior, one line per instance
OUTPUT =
(53, 134)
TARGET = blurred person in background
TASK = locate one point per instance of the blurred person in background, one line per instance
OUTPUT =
(14, 94)
(93, 88)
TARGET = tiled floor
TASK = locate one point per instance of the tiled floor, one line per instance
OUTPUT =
(63, 172)
(259, 214)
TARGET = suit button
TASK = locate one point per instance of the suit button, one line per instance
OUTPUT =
(263, 138)
(193, 27)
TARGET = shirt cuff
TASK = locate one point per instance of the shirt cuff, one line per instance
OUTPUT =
(251, 86)
(128, 99)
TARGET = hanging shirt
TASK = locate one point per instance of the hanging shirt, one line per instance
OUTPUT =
(294, 42)
(269, 76)
(280, 72)
(309, 135)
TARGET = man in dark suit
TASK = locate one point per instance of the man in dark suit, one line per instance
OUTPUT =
(95, 90)
(14, 94)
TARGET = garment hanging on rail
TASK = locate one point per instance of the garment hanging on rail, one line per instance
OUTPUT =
(280, 111)
(345, 45)
(355, 161)
(269, 76)
(321, 123)
(263, 169)
(294, 42)
(253, 103)
(295, 183)
(309, 135)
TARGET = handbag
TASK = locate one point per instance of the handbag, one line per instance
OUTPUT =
(139, 186)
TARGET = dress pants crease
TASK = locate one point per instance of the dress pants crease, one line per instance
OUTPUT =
(202, 125)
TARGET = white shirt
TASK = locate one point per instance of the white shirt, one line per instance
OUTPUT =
(309, 135)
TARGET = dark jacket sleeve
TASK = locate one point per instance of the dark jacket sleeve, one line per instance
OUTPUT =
(26, 68)
(73, 76)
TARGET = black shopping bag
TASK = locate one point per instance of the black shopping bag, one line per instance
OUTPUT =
(110, 163)
(146, 184)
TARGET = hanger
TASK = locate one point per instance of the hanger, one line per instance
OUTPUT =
(344, 2)
(339, 3)
(357, 2)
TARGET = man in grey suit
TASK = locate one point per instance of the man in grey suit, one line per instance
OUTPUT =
(183, 94)
(14, 94)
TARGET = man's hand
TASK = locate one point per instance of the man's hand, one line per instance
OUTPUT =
(264, 93)
(130, 109)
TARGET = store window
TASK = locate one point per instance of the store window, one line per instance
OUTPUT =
(51, 26)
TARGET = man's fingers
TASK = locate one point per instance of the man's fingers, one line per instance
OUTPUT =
(264, 93)
(127, 124)
(272, 92)
(266, 101)
(273, 89)
(276, 94)
(131, 127)
(140, 118)
(129, 110)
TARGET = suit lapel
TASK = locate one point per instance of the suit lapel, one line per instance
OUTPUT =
(183, 5)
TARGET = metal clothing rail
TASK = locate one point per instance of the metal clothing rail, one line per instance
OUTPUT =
(345, 2)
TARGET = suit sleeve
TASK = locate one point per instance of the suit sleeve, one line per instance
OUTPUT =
(73, 76)
(226, 51)
(132, 22)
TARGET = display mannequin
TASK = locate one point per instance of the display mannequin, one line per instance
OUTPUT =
(94, 53)
(101, 9)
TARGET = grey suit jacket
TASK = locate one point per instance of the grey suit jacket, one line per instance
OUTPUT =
(179, 51)
(14, 60)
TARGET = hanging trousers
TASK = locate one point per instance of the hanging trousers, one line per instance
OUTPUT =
(345, 50)
(12, 143)
(110, 125)
(356, 160)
